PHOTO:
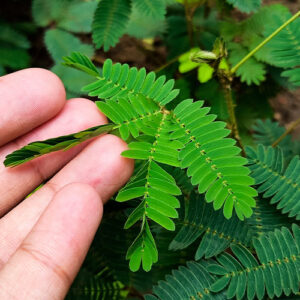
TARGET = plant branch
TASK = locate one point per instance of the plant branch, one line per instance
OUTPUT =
(250, 54)
(168, 63)
(189, 21)
(288, 130)
(231, 111)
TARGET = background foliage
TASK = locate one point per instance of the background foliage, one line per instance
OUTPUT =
(207, 255)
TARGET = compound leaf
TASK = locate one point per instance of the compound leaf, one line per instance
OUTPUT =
(110, 21)
(39, 148)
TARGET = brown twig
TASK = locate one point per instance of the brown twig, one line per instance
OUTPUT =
(288, 130)
(226, 80)
(189, 14)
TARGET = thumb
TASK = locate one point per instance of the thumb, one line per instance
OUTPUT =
(47, 261)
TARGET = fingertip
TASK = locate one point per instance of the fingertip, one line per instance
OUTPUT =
(100, 165)
(105, 152)
(86, 108)
(77, 114)
(29, 98)
(40, 86)
(126, 165)
(84, 196)
(51, 85)
(49, 258)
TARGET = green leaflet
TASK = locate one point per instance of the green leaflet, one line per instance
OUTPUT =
(60, 43)
(144, 26)
(80, 62)
(154, 186)
(154, 8)
(253, 71)
(245, 6)
(13, 50)
(37, 149)
(267, 132)
(275, 271)
(162, 149)
(110, 21)
(207, 155)
(111, 233)
(135, 115)
(284, 54)
(12, 36)
(143, 250)
(267, 218)
(293, 76)
(188, 282)
(187, 137)
(89, 286)
(217, 232)
(120, 81)
(74, 16)
(284, 49)
(157, 190)
(274, 180)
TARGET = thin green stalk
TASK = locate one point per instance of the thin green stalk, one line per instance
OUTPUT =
(289, 130)
(168, 63)
(250, 54)
(228, 92)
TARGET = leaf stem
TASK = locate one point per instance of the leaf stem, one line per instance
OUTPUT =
(189, 21)
(231, 111)
(168, 63)
(288, 130)
(250, 54)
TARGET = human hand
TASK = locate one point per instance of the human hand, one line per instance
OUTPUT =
(45, 238)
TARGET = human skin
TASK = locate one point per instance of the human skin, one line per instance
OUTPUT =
(44, 238)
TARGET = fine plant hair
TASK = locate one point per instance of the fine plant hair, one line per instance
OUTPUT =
(230, 211)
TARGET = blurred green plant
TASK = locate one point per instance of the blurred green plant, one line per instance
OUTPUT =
(176, 208)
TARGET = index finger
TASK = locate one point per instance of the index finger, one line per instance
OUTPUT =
(47, 261)
(28, 98)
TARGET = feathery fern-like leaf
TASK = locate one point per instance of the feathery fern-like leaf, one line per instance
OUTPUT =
(293, 75)
(110, 21)
(40, 148)
(154, 8)
(134, 115)
(186, 283)
(245, 6)
(186, 137)
(81, 62)
(267, 218)
(274, 180)
(211, 160)
(88, 286)
(267, 132)
(276, 270)
(144, 26)
(285, 46)
(13, 48)
(74, 15)
(61, 43)
(155, 187)
(252, 71)
(218, 232)
(119, 81)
